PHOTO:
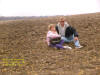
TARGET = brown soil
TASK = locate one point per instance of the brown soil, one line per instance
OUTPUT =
(25, 39)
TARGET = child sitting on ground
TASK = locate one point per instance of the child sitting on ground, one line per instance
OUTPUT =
(54, 39)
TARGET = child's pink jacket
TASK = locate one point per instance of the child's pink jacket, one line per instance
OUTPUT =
(51, 34)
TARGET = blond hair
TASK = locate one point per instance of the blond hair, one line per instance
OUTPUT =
(50, 26)
(62, 18)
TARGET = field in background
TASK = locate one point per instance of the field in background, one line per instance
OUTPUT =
(25, 39)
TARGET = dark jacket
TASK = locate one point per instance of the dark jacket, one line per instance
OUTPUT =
(69, 31)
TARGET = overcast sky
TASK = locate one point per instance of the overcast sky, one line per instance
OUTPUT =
(47, 7)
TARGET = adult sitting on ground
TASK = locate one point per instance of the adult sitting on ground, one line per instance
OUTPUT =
(67, 32)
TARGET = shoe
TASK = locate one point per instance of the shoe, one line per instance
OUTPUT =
(67, 47)
(79, 47)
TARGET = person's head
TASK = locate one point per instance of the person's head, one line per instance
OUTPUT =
(52, 27)
(62, 20)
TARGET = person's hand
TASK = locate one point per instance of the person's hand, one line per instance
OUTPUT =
(75, 38)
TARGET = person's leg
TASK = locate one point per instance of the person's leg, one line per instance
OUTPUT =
(59, 46)
(51, 45)
(61, 42)
(56, 45)
(76, 42)
(70, 39)
(65, 39)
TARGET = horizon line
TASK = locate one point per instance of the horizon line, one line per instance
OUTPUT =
(51, 15)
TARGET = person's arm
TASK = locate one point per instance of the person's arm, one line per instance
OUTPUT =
(75, 32)
(57, 29)
(53, 35)
(70, 31)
